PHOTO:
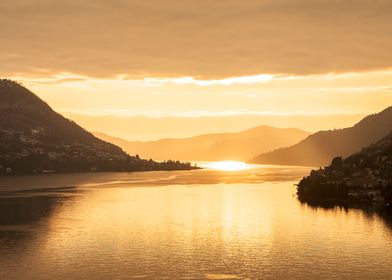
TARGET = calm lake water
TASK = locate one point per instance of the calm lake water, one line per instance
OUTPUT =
(203, 224)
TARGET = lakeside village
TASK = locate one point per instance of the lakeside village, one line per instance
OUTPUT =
(29, 153)
(365, 176)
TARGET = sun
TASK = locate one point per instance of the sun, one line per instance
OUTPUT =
(228, 165)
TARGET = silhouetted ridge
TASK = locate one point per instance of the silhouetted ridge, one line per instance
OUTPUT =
(34, 138)
(21, 110)
(319, 148)
(379, 120)
(214, 147)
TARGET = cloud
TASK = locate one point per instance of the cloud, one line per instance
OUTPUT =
(207, 40)
(261, 78)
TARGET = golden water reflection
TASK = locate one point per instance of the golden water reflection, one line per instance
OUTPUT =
(228, 165)
(188, 231)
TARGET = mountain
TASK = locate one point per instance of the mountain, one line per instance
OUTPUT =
(35, 139)
(150, 128)
(213, 147)
(318, 149)
(362, 177)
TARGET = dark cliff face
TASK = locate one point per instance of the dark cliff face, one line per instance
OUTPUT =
(320, 148)
(34, 138)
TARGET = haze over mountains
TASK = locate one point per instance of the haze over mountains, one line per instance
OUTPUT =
(35, 139)
(214, 147)
(149, 128)
(319, 148)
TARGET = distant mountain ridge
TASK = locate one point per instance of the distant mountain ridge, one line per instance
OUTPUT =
(35, 139)
(319, 148)
(213, 147)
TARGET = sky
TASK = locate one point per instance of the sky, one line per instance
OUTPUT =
(311, 64)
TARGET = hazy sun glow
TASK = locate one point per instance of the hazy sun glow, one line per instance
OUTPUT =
(192, 105)
(228, 165)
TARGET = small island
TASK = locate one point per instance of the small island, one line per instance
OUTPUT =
(365, 177)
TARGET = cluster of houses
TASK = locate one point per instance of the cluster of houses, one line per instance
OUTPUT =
(26, 145)
(363, 176)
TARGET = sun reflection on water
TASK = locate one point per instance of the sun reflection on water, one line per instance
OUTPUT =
(227, 165)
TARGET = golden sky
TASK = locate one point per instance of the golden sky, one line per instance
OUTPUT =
(263, 59)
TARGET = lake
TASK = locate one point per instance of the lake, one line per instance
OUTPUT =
(203, 224)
